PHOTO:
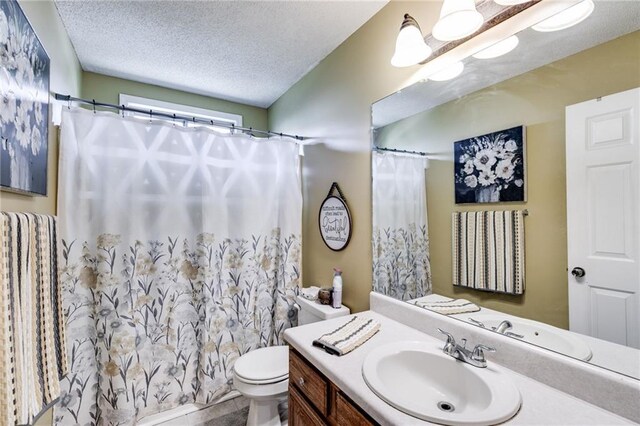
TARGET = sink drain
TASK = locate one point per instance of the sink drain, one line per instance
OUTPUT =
(446, 406)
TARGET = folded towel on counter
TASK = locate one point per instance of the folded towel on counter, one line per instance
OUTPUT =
(348, 336)
(448, 307)
(310, 293)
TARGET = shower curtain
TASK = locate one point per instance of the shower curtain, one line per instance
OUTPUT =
(180, 253)
(400, 238)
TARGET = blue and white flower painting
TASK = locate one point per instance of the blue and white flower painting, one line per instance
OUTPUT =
(24, 103)
(490, 168)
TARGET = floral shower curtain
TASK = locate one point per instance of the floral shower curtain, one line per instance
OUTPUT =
(401, 266)
(180, 253)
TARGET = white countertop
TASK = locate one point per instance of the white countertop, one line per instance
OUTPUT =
(541, 404)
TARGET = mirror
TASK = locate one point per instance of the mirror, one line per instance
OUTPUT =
(532, 86)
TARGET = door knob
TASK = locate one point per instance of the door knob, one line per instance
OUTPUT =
(578, 272)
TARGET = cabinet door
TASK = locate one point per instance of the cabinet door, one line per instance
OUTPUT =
(349, 415)
(301, 414)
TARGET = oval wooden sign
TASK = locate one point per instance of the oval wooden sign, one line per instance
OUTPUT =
(334, 221)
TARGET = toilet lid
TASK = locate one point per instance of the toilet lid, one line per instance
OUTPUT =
(264, 364)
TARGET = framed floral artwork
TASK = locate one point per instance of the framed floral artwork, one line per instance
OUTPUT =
(24, 103)
(491, 168)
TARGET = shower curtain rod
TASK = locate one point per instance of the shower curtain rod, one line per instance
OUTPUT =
(403, 151)
(152, 113)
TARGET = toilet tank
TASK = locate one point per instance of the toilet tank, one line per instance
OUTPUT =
(312, 311)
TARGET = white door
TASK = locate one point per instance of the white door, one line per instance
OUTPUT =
(603, 217)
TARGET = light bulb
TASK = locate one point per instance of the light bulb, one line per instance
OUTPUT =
(500, 48)
(410, 46)
(567, 18)
(448, 73)
(458, 19)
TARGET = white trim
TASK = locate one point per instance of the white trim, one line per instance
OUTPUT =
(179, 109)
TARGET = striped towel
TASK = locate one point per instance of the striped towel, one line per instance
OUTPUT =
(32, 328)
(347, 337)
(488, 250)
(448, 307)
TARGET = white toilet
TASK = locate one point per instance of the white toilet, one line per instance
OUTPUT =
(263, 375)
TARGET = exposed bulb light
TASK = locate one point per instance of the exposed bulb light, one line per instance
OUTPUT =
(500, 48)
(448, 73)
(410, 46)
(458, 19)
(510, 2)
(567, 18)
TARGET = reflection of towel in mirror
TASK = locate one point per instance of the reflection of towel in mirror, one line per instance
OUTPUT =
(349, 336)
(448, 307)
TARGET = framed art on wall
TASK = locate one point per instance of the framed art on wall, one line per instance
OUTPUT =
(334, 220)
(24, 103)
(491, 168)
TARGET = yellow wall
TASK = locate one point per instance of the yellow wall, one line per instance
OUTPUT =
(536, 99)
(108, 89)
(332, 104)
(65, 77)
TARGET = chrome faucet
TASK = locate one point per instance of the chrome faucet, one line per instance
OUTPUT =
(504, 326)
(461, 353)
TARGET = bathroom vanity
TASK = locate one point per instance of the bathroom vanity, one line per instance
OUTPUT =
(331, 390)
(316, 400)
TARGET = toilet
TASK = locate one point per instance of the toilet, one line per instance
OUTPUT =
(262, 375)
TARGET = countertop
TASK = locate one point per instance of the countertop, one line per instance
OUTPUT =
(541, 404)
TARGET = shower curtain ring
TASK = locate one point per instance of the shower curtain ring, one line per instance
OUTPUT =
(123, 108)
(94, 105)
(150, 114)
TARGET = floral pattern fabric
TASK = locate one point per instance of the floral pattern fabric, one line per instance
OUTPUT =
(400, 241)
(156, 320)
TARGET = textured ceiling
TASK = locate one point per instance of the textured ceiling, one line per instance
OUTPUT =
(244, 51)
(610, 20)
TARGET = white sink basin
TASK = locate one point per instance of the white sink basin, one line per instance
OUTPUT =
(420, 380)
(549, 337)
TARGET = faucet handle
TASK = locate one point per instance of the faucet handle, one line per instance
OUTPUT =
(450, 346)
(450, 339)
(478, 352)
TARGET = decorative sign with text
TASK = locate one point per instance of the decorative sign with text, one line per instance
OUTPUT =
(334, 220)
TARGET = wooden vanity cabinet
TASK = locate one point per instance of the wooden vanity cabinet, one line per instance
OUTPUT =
(315, 401)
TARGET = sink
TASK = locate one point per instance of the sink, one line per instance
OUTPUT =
(420, 380)
(549, 337)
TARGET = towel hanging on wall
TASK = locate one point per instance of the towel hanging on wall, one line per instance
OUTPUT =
(488, 250)
(32, 328)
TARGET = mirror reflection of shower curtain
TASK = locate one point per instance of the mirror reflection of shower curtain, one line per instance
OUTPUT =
(181, 252)
(400, 236)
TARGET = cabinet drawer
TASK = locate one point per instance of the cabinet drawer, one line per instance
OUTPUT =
(300, 414)
(309, 382)
(349, 415)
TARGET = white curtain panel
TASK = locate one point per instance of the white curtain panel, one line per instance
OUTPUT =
(401, 266)
(180, 253)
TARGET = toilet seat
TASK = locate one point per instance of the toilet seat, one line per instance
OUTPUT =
(263, 366)
(261, 382)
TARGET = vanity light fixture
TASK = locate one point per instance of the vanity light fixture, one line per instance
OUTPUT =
(567, 18)
(458, 19)
(448, 73)
(410, 45)
(500, 48)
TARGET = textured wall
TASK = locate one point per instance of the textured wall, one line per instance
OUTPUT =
(65, 77)
(332, 104)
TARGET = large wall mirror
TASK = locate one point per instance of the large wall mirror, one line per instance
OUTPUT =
(571, 247)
